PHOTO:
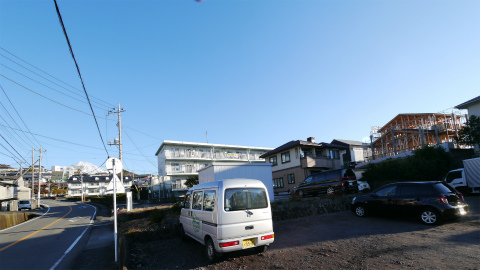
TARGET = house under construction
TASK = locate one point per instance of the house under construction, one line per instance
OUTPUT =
(407, 132)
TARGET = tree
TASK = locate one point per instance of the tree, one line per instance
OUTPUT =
(470, 133)
(426, 164)
(192, 181)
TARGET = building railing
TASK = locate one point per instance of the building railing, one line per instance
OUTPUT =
(213, 156)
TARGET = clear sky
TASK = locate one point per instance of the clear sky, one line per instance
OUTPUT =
(250, 72)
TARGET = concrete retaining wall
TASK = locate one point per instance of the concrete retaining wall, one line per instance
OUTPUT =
(11, 219)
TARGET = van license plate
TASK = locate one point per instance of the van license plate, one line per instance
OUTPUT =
(249, 243)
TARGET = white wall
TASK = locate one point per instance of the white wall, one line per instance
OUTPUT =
(258, 171)
(474, 110)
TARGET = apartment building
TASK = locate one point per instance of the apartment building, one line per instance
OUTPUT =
(93, 185)
(293, 161)
(65, 171)
(179, 160)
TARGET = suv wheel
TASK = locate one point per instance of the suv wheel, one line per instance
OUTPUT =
(301, 194)
(330, 191)
(360, 210)
(429, 217)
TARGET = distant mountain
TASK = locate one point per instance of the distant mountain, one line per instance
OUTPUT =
(86, 167)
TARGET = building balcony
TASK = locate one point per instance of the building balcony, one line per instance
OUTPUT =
(320, 162)
(214, 156)
(178, 186)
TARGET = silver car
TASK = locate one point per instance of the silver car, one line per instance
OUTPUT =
(24, 204)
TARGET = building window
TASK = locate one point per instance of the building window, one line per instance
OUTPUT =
(273, 160)
(175, 167)
(334, 154)
(291, 178)
(286, 157)
(278, 182)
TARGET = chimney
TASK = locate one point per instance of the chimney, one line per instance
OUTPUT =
(311, 139)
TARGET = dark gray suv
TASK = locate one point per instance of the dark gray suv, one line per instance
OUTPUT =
(327, 182)
(431, 202)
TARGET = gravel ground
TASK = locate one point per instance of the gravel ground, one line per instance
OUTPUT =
(331, 241)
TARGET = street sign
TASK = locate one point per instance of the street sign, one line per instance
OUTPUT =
(113, 161)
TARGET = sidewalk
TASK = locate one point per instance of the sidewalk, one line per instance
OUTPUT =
(99, 252)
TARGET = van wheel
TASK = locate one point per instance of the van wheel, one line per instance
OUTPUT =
(212, 254)
(261, 249)
(330, 191)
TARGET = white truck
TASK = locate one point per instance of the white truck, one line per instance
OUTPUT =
(466, 180)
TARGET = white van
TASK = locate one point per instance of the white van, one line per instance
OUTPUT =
(228, 215)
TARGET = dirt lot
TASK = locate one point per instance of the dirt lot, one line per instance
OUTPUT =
(332, 241)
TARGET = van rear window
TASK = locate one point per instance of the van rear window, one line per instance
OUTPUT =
(245, 198)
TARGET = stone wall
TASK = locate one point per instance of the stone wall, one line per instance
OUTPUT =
(310, 207)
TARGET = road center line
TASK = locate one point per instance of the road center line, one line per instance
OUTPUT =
(18, 241)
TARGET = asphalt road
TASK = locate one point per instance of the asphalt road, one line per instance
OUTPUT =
(48, 241)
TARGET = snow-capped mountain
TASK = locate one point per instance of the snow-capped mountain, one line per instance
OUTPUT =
(86, 167)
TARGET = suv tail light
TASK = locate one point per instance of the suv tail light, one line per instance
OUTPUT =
(444, 199)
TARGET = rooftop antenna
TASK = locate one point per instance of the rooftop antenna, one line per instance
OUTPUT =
(206, 134)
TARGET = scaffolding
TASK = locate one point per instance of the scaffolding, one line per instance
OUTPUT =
(407, 132)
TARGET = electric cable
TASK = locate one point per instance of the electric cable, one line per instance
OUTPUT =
(79, 100)
(79, 74)
(140, 150)
(18, 114)
(11, 146)
(60, 140)
(105, 103)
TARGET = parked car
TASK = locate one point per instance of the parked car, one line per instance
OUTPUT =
(431, 202)
(327, 182)
(24, 204)
(228, 215)
(363, 185)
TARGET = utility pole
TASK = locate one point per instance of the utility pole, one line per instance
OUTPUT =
(33, 175)
(119, 141)
(40, 175)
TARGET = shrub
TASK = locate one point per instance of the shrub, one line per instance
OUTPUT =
(426, 164)
(157, 216)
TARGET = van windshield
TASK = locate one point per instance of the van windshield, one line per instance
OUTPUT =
(245, 198)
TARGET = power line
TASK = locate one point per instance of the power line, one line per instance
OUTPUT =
(139, 150)
(17, 115)
(48, 86)
(57, 139)
(43, 95)
(105, 103)
(79, 74)
(12, 147)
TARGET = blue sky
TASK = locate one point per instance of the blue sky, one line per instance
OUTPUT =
(254, 73)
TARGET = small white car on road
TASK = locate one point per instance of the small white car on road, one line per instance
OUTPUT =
(24, 204)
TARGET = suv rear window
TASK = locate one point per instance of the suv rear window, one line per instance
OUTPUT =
(24, 202)
(245, 198)
(442, 188)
